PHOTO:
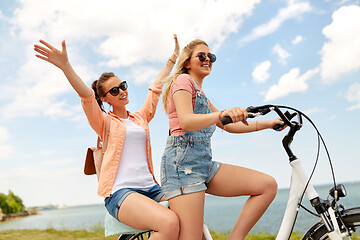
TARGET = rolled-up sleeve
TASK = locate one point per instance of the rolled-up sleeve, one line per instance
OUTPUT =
(148, 110)
(94, 114)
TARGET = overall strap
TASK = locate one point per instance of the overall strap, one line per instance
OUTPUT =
(196, 87)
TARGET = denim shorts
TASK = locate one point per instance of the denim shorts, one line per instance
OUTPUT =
(187, 166)
(114, 201)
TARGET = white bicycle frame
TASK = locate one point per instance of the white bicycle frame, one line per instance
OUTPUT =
(297, 186)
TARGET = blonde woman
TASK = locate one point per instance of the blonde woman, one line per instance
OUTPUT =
(187, 168)
(126, 178)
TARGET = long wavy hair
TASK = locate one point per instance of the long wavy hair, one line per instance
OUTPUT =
(97, 86)
(184, 57)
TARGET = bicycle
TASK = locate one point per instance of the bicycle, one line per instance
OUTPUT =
(335, 221)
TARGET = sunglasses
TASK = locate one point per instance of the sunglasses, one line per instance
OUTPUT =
(202, 57)
(115, 90)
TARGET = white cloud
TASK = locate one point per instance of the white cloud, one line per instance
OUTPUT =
(38, 86)
(290, 82)
(6, 150)
(353, 95)
(261, 72)
(294, 9)
(297, 40)
(313, 111)
(59, 162)
(341, 53)
(282, 53)
(118, 33)
(142, 74)
(134, 34)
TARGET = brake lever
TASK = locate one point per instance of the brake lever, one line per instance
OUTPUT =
(288, 116)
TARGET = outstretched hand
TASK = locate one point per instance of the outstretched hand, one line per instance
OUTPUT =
(51, 54)
(176, 52)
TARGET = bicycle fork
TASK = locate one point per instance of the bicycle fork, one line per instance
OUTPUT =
(328, 217)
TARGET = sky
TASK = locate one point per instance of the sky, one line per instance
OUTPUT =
(297, 53)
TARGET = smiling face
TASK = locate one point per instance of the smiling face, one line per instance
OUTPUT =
(196, 68)
(119, 100)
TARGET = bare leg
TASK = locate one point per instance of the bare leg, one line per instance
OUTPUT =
(190, 210)
(141, 212)
(231, 181)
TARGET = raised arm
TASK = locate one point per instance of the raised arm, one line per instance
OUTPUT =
(149, 107)
(165, 72)
(60, 59)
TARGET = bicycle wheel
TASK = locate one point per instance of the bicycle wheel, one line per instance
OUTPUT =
(138, 236)
(351, 218)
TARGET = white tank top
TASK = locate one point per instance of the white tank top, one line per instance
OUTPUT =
(133, 171)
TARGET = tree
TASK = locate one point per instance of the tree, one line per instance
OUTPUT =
(10, 203)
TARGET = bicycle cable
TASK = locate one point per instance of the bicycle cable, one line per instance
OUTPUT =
(319, 136)
(320, 139)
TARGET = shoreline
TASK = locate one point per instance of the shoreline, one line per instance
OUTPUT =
(16, 216)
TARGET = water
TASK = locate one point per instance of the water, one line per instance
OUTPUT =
(220, 214)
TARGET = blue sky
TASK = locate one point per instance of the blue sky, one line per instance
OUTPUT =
(303, 54)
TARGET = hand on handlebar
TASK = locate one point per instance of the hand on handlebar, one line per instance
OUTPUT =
(237, 114)
(277, 124)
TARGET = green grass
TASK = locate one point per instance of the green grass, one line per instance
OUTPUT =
(96, 234)
(82, 234)
(52, 234)
(259, 236)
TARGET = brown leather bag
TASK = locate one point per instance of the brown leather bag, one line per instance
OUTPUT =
(94, 155)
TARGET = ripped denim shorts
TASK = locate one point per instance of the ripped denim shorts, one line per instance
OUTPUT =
(186, 165)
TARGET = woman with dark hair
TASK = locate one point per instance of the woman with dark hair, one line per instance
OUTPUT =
(126, 178)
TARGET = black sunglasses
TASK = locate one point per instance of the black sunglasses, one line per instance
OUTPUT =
(202, 57)
(115, 90)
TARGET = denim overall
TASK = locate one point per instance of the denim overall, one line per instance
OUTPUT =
(186, 165)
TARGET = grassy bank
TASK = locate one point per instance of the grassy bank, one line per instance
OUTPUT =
(85, 235)
(70, 235)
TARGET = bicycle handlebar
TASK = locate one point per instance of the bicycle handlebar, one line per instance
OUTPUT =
(263, 110)
(286, 117)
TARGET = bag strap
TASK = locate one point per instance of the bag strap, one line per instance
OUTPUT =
(107, 129)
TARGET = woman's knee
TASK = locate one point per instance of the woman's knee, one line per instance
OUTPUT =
(170, 224)
(270, 186)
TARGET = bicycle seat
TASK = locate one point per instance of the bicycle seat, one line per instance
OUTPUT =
(114, 227)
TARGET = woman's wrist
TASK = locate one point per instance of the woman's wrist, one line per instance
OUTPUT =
(220, 114)
(173, 58)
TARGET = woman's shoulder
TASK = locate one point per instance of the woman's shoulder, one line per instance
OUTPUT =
(184, 77)
(184, 81)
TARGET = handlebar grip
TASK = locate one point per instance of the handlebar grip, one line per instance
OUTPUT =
(278, 126)
(226, 120)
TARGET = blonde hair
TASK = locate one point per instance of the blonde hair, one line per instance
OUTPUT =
(184, 57)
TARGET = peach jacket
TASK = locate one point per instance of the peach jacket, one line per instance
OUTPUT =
(97, 120)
